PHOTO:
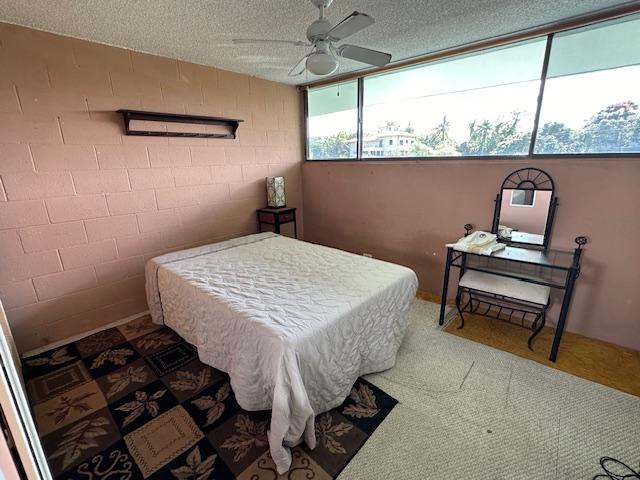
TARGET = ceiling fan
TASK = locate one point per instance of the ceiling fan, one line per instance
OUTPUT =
(321, 35)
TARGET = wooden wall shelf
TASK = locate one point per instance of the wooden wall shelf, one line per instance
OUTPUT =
(138, 115)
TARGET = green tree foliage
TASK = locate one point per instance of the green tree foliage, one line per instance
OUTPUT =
(441, 132)
(615, 128)
(438, 142)
(499, 138)
(334, 146)
(556, 137)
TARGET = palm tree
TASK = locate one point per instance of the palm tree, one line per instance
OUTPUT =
(442, 130)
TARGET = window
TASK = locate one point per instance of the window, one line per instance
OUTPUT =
(523, 198)
(332, 121)
(592, 94)
(492, 102)
(478, 104)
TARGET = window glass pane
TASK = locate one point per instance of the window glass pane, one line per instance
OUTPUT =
(592, 92)
(333, 121)
(478, 104)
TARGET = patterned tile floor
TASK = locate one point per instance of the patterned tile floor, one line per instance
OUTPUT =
(135, 402)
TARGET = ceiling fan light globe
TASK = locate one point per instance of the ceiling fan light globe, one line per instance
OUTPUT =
(322, 63)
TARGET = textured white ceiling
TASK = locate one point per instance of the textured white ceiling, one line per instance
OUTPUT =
(200, 30)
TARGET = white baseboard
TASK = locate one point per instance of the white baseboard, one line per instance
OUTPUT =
(75, 338)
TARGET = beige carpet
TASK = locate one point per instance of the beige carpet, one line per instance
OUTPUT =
(468, 411)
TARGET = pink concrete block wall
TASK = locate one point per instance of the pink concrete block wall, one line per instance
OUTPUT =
(405, 212)
(82, 206)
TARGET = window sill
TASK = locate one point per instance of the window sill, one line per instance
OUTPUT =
(535, 156)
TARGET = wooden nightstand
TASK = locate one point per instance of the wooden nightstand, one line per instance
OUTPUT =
(277, 217)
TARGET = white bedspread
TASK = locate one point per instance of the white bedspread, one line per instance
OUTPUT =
(293, 324)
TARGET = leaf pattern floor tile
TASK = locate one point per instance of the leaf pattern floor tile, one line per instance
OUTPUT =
(89, 423)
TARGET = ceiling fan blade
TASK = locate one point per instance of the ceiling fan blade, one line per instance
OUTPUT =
(297, 43)
(350, 25)
(364, 55)
(299, 67)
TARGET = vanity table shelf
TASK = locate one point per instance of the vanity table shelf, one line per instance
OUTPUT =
(544, 267)
(556, 269)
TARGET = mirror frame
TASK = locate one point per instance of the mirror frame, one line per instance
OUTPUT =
(541, 180)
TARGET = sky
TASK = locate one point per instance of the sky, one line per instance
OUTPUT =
(569, 99)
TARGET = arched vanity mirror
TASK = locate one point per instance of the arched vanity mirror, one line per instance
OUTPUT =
(525, 207)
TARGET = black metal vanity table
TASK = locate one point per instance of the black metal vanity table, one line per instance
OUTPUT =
(552, 268)
(514, 283)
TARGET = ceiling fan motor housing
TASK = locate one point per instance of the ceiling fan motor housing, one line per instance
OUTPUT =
(318, 29)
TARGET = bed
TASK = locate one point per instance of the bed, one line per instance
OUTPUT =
(293, 324)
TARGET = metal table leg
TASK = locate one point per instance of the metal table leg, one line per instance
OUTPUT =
(566, 302)
(445, 285)
(568, 294)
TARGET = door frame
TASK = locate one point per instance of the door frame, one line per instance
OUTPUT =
(16, 408)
